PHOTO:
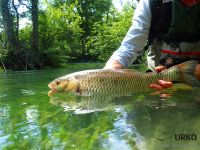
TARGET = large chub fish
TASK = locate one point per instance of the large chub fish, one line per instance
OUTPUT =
(120, 81)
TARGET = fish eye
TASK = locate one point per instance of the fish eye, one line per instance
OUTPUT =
(57, 82)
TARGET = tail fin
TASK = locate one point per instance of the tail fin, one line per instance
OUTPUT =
(187, 70)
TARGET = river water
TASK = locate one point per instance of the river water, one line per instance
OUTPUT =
(29, 119)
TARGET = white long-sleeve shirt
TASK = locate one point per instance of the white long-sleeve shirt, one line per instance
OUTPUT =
(136, 37)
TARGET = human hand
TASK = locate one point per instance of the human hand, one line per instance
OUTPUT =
(162, 84)
(113, 64)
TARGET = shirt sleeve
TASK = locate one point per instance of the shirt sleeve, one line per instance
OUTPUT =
(136, 37)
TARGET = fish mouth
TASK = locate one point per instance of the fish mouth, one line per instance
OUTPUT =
(52, 91)
(50, 86)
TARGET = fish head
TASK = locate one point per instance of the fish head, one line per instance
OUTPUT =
(63, 85)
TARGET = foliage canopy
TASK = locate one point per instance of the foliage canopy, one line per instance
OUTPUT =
(60, 31)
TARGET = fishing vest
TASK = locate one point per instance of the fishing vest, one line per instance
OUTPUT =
(177, 27)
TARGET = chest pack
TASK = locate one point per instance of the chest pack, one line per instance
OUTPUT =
(174, 22)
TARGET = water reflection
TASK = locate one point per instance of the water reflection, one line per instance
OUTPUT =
(88, 104)
(31, 120)
(159, 124)
(144, 121)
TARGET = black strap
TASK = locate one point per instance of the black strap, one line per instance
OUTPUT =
(161, 18)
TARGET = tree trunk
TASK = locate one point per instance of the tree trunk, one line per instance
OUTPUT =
(84, 25)
(34, 12)
(17, 18)
(8, 25)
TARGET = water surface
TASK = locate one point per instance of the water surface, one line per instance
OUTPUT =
(29, 119)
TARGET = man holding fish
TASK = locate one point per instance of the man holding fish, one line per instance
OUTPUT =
(172, 31)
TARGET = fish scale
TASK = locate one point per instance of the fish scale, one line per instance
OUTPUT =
(120, 81)
(117, 81)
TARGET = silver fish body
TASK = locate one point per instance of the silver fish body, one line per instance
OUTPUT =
(119, 81)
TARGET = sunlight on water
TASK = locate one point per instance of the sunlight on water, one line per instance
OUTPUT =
(29, 119)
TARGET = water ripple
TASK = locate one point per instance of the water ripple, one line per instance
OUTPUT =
(28, 92)
(3, 95)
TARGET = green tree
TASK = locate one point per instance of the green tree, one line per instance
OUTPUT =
(34, 14)
(8, 25)
(91, 12)
(108, 35)
(59, 32)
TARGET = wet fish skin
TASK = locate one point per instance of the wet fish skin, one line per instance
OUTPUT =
(120, 81)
